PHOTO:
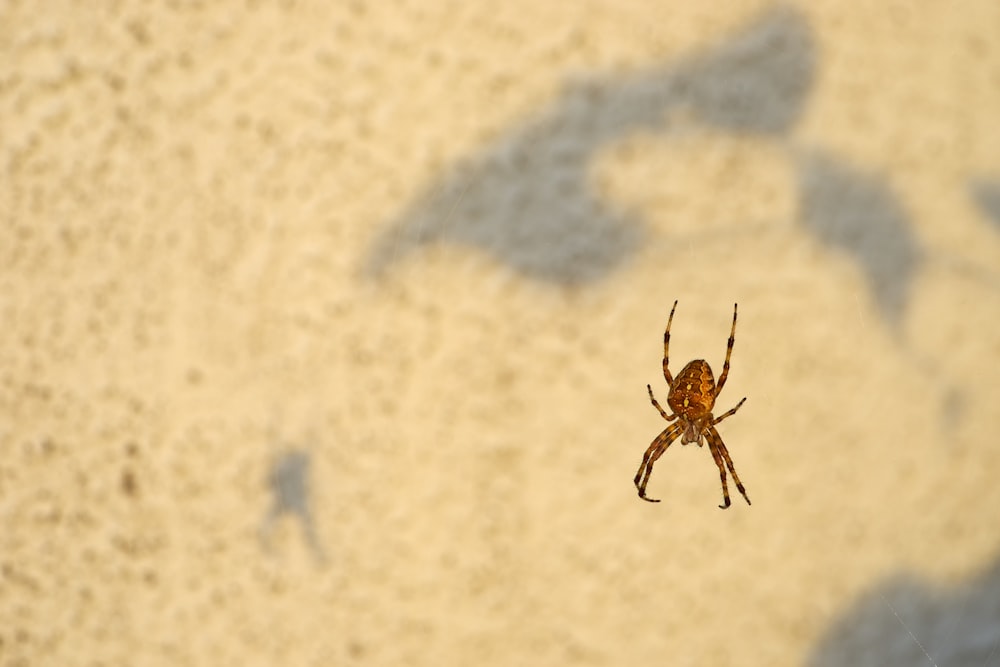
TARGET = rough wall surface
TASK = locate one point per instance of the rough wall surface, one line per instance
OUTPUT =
(325, 330)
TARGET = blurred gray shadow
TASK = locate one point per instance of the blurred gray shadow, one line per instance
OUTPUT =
(856, 212)
(896, 622)
(986, 194)
(289, 483)
(527, 199)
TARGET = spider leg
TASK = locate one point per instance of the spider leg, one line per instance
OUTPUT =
(655, 450)
(717, 455)
(666, 347)
(656, 405)
(721, 446)
(728, 413)
(729, 352)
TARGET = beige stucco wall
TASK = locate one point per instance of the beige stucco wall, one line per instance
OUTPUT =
(325, 330)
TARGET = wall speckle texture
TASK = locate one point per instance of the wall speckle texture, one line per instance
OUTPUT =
(325, 330)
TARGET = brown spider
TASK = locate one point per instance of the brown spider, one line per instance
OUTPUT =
(691, 397)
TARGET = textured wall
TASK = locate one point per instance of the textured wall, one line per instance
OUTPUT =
(325, 330)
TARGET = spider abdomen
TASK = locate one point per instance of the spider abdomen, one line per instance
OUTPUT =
(692, 394)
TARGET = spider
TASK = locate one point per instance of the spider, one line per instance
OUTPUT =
(691, 397)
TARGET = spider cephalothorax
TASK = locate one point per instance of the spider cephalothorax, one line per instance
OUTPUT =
(691, 398)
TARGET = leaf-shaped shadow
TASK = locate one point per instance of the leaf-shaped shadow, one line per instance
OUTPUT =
(856, 212)
(899, 620)
(527, 199)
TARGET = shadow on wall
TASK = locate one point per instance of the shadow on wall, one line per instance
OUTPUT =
(856, 212)
(526, 199)
(986, 194)
(289, 482)
(906, 622)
